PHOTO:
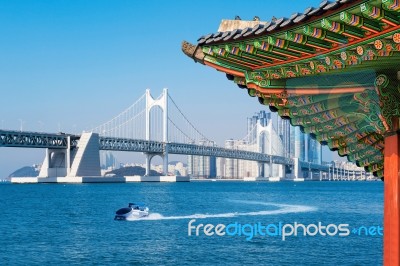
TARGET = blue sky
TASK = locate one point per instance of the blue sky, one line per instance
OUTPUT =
(76, 64)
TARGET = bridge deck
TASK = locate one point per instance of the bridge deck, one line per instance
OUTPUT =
(25, 139)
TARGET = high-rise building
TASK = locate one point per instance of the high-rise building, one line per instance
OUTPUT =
(234, 168)
(202, 166)
(295, 143)
(108, 160)
(263, 129)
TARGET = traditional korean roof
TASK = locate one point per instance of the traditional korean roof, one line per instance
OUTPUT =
(332, 70)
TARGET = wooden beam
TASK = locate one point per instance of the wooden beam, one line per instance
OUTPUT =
(276, 48)
(393, 5)
(307, 40)
(224, 69)
(361, 22)
(379, 14)
(340, 28)
(325, 35)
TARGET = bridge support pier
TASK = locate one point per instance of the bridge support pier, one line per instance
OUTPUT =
(270, 167)
(260, 169)
(282, 171)
(82, 161)
(54, 164)
(149, 156)
(391, 237)
(298, 173)
(165, 160)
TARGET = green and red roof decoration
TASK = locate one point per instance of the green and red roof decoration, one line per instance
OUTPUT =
(332, 70)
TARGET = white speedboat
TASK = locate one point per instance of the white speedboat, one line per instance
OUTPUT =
(133, 211)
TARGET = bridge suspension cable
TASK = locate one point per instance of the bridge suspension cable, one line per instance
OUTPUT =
(127, 124)
(181, 129)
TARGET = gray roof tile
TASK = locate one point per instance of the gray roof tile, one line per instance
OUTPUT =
(259, 29)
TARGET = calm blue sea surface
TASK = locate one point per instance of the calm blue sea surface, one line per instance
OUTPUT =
(73, 224)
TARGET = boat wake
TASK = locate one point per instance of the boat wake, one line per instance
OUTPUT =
(277, 209)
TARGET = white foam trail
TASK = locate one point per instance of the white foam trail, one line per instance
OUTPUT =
(282, 209)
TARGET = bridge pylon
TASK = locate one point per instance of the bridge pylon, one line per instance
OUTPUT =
(273, 169)
(161, 102)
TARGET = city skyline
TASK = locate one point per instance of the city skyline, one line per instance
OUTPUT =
(264, 128)
(61, 72)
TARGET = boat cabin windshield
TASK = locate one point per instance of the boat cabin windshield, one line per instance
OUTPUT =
(137, 206)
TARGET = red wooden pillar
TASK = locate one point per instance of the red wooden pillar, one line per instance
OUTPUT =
(391, 249)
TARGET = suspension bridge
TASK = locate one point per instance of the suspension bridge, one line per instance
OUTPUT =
(154, 127)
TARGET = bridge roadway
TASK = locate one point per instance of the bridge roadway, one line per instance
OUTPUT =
(60, 140)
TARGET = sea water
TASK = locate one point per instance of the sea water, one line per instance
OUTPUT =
(68, 224)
